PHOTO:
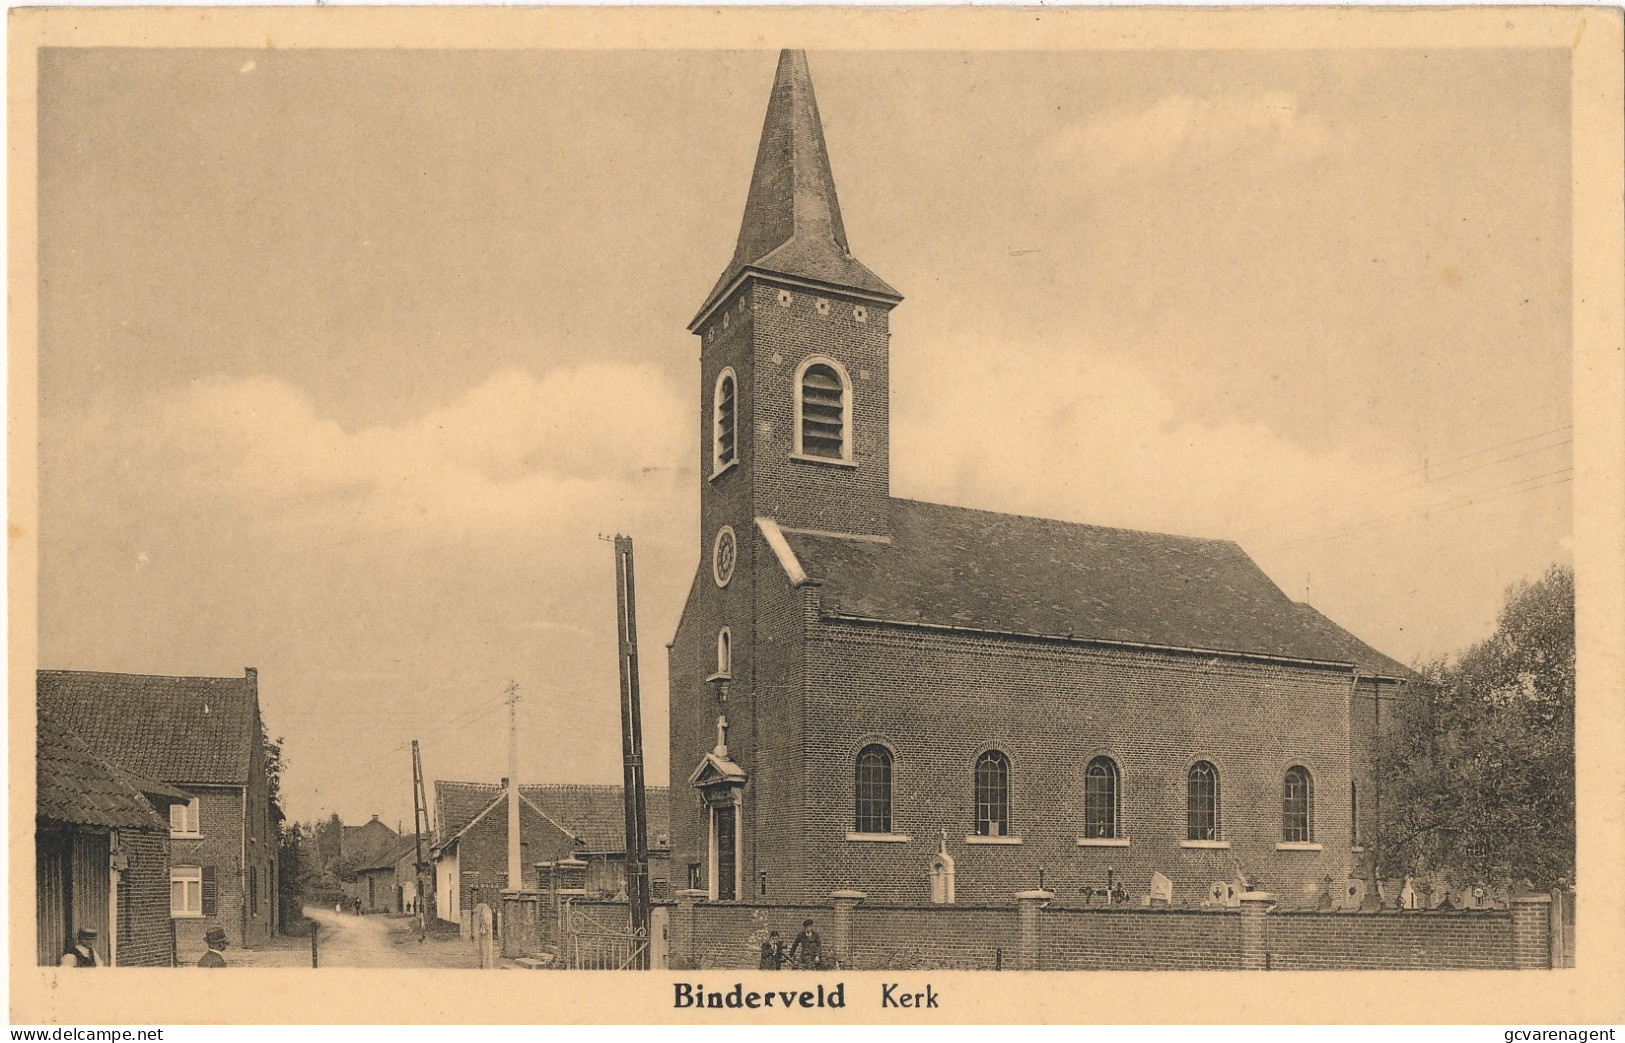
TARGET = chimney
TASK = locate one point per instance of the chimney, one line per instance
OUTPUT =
(252, 675)
(375, 818)
(503, 785)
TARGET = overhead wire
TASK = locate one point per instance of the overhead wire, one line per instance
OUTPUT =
(1438, 507)
(1380, 489)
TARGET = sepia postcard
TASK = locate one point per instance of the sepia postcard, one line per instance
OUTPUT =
(828, 515)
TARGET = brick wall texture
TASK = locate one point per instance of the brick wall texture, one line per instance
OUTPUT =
(1139, 939)
(962, 937)
(219, 848)
(143, 901)
(246, 918)
(483, 854)
(1412, 941)
(803, 694)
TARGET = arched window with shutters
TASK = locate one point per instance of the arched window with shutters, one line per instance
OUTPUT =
(823, 410)
(1298, 806)
(1100, 799)
(992, 794)
(724, 422)
(873, 790)
(1202, 802)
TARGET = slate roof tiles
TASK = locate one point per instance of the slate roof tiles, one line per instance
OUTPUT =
(957, 567)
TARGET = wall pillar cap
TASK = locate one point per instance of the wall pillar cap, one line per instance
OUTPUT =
(848, 895)
(1035, 895)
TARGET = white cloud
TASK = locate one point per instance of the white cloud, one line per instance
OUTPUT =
(1073, 435)
(512, 449)
(1196, 132)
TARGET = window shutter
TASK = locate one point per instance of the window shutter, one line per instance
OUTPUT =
(211, 892)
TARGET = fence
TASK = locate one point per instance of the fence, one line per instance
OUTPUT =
(1034, 933)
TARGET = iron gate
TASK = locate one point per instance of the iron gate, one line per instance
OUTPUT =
(588, 944)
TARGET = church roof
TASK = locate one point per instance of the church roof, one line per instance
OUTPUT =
(978, 570)
(792, 224)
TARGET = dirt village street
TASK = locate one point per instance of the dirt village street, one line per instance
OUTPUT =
(347, 940)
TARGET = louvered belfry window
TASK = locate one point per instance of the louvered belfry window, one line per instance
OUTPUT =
(823, 412)
(724, 450)
(873, 790)
(992, 795)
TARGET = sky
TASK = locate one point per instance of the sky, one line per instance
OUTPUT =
(349, 360)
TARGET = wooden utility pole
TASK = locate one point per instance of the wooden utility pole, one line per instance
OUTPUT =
(516, 869)
(637, 839)
(420, 823)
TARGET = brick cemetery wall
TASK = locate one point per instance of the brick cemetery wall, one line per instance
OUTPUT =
(860, 935)
(963, 937)
(1138, 939)
(1298, 940)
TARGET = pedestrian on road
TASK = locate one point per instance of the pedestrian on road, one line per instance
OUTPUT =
(215, 939)
(356, 904)
(772, 953)
(83, 953)
(807, 951)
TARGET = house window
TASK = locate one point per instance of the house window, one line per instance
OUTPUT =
(183, 819)
(1354, 813)
(1100, 799)
(185, 891)
(724, 417)
(725, 658)
(254, 890)
(992, 794)
(1298, 806)
(873, 790)
(1202, 802)
(823, 411)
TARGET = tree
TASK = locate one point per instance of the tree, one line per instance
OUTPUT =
(1479, 770)
(329, 842)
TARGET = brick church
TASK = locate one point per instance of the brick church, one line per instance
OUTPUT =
(862, 685)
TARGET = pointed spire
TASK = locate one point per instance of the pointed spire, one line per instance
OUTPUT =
(792, 224)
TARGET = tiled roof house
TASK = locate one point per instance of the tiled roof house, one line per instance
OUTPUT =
(556, 822)
(201, 735)
(101, 843)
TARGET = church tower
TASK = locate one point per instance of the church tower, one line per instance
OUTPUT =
(794, 407)
(794, 376)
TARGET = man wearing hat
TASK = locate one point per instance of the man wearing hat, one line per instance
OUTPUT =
(83, 953)
(807, 951)
(215, 939)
